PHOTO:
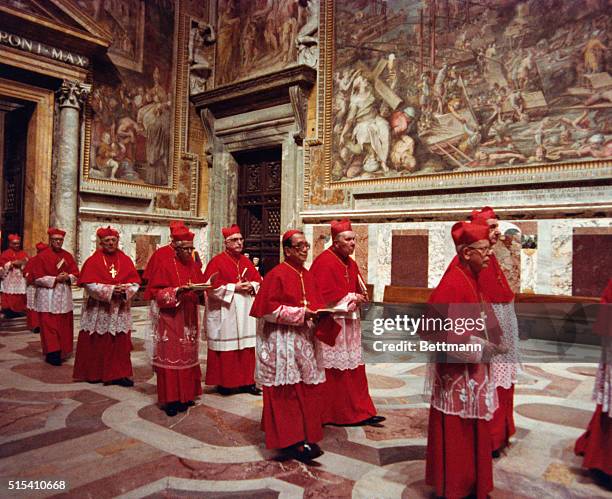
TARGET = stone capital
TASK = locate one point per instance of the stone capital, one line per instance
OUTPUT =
(73, 94)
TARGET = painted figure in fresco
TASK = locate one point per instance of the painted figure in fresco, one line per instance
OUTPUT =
(508, 70)
(228, 35)
(154, 117)
(370, 131)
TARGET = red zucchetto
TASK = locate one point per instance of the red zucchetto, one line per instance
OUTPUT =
(41, 246)
(103, 232)
(14, 237)
(54, 231)
(290, 233)
(339, 226)
(466, 233)
(230, 231)
(480, 216)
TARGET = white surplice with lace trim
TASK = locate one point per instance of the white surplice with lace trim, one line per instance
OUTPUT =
(602, 392)
(13, 282)
(507, 366)
(103, 313)
(286, 350)
(53, 298)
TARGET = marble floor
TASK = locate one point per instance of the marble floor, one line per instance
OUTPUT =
(109, 441)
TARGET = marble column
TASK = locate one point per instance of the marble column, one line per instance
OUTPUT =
(70, 97)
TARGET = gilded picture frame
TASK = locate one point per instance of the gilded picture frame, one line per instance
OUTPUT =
(379, 130)
(96, 180)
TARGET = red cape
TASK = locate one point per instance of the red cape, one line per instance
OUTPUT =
(170, 272)
(494, 284)
(159, 255)
(331, 271)
(96, 269)
(10, 255)
(231, 269)
(283, 286)
(46, 263)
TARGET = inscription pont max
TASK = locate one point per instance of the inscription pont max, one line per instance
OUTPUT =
(38, 48)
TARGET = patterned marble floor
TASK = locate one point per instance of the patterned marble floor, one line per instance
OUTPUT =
(108, 441)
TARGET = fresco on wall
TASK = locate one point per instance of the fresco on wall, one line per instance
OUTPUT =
(131, 132)
(255, 36)
(423, 87)
(124, 19)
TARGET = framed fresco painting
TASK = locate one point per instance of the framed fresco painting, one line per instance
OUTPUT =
(136, 118)
(438, 94)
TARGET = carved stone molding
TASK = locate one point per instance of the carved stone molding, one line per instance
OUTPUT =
(73, 94)
(208, 123)
(299, 104)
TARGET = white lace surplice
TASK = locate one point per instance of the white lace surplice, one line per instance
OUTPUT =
(53, 299)
(104, 314)
(346, 352)
(507, 366)
(602, 392)
(286, 351)
(13, 282)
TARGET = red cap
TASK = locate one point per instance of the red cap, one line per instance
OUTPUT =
(290, 233)
(105, 232)
(230, 231)
(466, 233)
(54, 231)
(177, 226)
(14, 237)
(41, 246)
(483, 215)
(183, 235)
(338, 226)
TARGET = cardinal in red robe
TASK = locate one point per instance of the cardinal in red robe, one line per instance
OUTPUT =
(463, 395)
(110, 280)
(596, 443)
(31, 312)
(495, 286)
(13, 286)
(347, 399)
(230, 330)
(53, 272)
(174, 343)
(288, 362)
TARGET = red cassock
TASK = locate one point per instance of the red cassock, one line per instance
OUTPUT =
(54, 301)
(286, 363)
(459, 461)
(176, 333)
(495, 286)
(13, 296)
(596, 443)
(345, 391)
(104, 343)
(229, 323)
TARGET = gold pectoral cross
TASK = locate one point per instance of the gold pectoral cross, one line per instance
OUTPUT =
(112, 271)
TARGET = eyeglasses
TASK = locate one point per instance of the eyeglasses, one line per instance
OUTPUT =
(235, 240)
(482, 251)
(185, 248)
(301, 246)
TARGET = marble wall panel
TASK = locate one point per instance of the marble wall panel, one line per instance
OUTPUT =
(410, 258)
(145, 246)
(591, 260)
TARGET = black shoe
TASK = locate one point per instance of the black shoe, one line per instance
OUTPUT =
(300, 452)
(95, 382)
(495, 454)
(252, 389)
(221, 390)
(54, 358)
(127, 382)
(181, 406)
(190, 403)
(171, 409)
(315, 451)
(378, 419)
(36, 330)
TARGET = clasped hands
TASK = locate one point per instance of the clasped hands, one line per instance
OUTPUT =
(62, 277)
(244, 287)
